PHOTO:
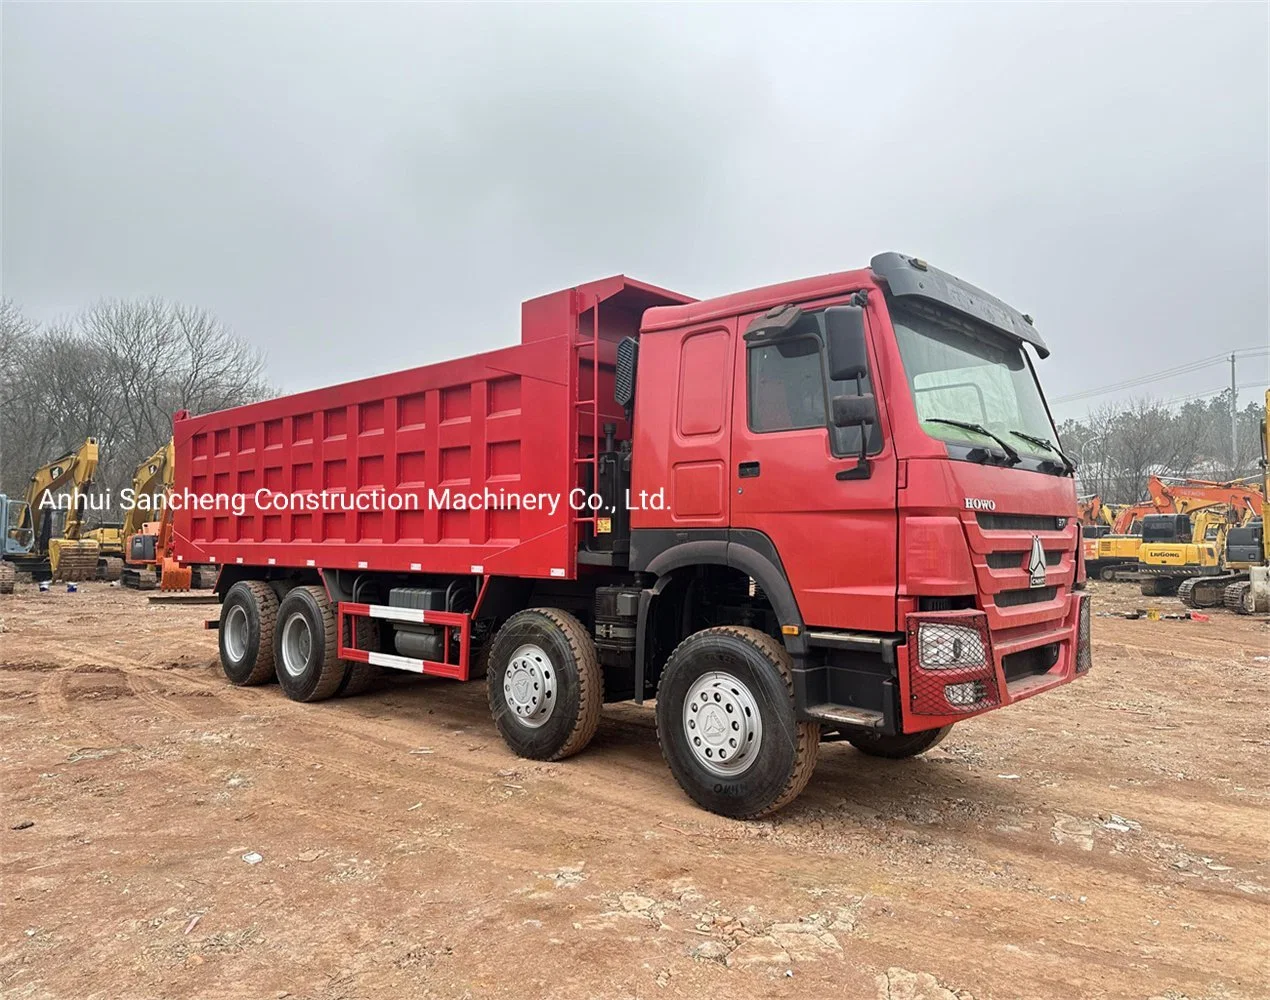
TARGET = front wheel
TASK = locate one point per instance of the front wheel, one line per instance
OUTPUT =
(546, 687)
(726, 723)
(899, 746)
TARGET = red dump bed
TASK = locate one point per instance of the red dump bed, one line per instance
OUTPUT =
(513, 423)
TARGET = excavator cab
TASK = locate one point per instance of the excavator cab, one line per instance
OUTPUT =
(18, 536)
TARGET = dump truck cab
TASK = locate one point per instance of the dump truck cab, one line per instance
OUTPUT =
(870, 451)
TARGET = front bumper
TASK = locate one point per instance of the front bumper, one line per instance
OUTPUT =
(1015, 665)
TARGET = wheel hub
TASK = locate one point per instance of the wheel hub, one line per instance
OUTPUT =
(529, 686)
(236, 633)
(297, 643)
(722, 724)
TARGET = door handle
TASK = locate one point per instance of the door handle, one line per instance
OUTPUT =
(747, 470)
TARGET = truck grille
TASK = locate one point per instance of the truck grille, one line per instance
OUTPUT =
(1033, 595)
(1014, 560)
(1020, 522)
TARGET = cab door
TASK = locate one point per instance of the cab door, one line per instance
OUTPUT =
(836, 535)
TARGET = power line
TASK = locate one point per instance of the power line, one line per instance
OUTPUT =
(1213, 392)
(1184, 369)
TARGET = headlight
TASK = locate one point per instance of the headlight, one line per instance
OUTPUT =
(941, 647)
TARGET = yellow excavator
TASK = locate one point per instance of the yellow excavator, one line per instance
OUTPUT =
(28, 525)
(1185, 552)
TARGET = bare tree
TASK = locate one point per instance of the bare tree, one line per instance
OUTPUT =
(117, 373)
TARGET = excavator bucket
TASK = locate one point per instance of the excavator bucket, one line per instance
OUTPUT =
(175, 576)
(73, 560)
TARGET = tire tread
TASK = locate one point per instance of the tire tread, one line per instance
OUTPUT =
(267, 609)
(360, 677)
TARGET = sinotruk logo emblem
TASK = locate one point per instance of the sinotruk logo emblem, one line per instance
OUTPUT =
(1036, 563)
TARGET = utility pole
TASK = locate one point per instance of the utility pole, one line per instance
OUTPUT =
(1234, 422)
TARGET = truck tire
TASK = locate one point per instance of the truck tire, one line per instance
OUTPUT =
(8, 576)
(248, 617)
(305, 650)
(899, 746)
(726, 723)
(360, 677)
(204, 577)
(545, 684)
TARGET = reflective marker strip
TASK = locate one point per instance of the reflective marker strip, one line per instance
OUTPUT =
(398, 614)
(273, 561)
(310, 562)
(557, 572)
(396, 662)
(211, 558)
(478, 570)
(180, 558)
(239, 560)
(417, 567)
(361, 565)
(387, 660)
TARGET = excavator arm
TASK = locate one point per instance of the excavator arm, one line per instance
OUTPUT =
(1245, 500)
(152, 477)
(75, 469)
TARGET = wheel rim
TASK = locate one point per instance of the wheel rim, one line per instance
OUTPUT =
(236, 633)
(722, 724)
(529, 686)
(297, 644)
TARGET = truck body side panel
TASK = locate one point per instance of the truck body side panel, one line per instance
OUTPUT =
(511, 421)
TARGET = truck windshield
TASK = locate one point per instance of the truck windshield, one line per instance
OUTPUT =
(961, 374)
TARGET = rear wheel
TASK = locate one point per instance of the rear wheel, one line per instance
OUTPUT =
(545, 684)
(726, 723)
(305, 647)
(360, 677)
(899, 746)
(248, 617)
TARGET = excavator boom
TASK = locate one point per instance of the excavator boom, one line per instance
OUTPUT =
(153, 477)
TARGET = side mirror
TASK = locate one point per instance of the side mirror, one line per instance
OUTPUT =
(855, 411)
(624, 380)
(844, 336)
(852, 411)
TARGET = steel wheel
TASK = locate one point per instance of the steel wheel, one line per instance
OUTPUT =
(529, 685)
(297, 644)
(237, 633)
(722, 724)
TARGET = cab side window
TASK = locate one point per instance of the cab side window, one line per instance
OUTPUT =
(788, 389)
(787, 386)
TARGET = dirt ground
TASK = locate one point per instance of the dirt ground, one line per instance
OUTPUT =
(1105, 840)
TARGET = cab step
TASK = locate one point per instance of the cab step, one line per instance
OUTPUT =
(845, 715)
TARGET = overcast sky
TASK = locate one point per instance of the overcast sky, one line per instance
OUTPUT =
(359, 189)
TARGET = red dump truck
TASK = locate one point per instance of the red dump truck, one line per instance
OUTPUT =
(830, 509)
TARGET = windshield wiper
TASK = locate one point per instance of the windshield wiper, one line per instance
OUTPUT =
(1011, 456)
(1068, 465)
